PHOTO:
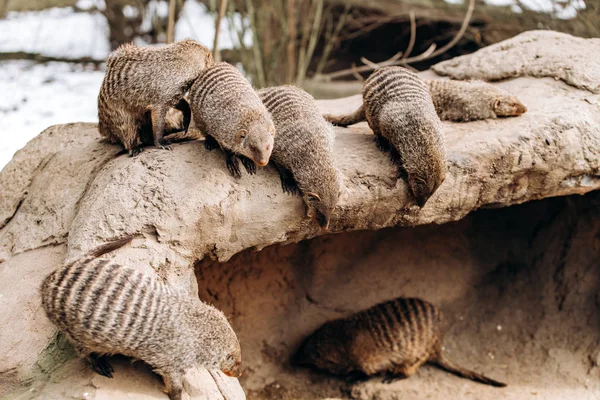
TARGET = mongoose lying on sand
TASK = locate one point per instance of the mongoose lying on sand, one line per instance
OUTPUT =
(141, 84)
(398, 107)
(229, 113)
(105, 308)
(472, 100)
(395, 337)
(303, 150)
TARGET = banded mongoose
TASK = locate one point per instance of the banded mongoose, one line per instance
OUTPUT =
(303, 150)
(229, 113)
(398, 107)
(395, 337)
(141, 84)
(105, 308)
(472, 100)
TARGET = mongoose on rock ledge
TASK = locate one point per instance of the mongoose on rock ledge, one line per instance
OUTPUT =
(395, 337)
(472, 100)
(398, 107)
(303, 150)
(141, 84)
(105, 308)
(229, 113)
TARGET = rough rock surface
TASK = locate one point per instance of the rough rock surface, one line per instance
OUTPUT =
(573, 60)
(66, 192)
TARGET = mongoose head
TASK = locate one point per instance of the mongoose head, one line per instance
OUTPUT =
(255, 136)
(325, 349)
(322, 199)
(217, 346)
(508, 105)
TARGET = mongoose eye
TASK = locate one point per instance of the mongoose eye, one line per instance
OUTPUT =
(230, 358)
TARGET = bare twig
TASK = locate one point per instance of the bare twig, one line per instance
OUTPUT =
(332, 39)
(171, 22)
(356, 74)
(222, 8)
(428, 54)
(314, 36)
(291, 44)
(260, 72)
(413, 35)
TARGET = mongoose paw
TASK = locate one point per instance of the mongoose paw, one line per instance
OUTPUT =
(210, 143)
(233, 165)
(248, 164)
(135, 151)
(164, 145)
(101, 365)
(289, 186)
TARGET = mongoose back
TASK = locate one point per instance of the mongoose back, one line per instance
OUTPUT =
(229, 113)
(395, 337)
(398, 107)
(139, 87)
(105, 308)
(303, 150)
(472, 100)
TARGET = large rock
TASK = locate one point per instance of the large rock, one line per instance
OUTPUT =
(66, 192)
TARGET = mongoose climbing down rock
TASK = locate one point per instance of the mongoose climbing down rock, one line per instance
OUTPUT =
(105, 308)
(398, 107)
(141, 84)
(472, 100)
(303, 150)
(229, 113)
(395, 337)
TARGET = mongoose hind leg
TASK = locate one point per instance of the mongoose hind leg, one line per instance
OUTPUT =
(158, 115)
(402, 371)
(101, 365)
(248, 164)
(210, 143)
(173, 385)
(233, 164)
(288, 183)
(185, 109)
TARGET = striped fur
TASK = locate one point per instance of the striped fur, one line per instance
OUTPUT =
(229, 113)
(303, 150)
(395, 337)
(139, 87)
(105, 308)
(401, 114)
(472, 100)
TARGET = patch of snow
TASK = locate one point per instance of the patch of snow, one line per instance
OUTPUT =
(36, 96)
(196, 22)
(56, 32)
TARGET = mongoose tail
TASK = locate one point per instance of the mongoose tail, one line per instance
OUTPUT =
(345, 120)
(445, 364)
(108, 247)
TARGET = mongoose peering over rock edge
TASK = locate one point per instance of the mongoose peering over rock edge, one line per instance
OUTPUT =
(395, 337)
(472, 100)
(303, 150)
(398, 107)
(229, 113)
(105, 308)
(141, 84)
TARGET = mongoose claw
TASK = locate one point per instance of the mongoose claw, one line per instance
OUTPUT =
(135, 151)
(164, 145)
(233, 165)
(210, 143)
(101, 365)
(248, 164)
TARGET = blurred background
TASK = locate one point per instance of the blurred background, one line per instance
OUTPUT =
(52, 52)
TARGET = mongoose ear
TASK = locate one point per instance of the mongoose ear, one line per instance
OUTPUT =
(313, 196)
(496, 104)
(241, 135)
